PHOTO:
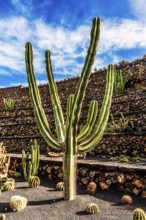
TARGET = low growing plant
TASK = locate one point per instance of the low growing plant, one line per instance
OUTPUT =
(30, 168)
(119, 82)
(9, 104)
(120, 126)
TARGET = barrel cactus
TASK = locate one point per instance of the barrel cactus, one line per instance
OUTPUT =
(34, 181)
(67, 140)
(9, 184)
(3, 217)
(60, 186)
(139, 214)
(92, 208)
(18, 203)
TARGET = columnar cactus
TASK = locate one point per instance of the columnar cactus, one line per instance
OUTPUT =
(30, 168)
(66, 138)
(139, 214)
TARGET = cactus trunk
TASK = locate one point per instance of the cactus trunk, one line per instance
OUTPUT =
(69, 168)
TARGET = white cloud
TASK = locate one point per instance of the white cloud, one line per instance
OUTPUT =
(138, 8)
(66, 45)
(23, 7)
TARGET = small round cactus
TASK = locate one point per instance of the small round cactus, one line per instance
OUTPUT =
(18, 203)
(3, 217)
(34, 181)
(139, 214)
(9, 184)
(60, 186)
(126, 199)
(92, 208)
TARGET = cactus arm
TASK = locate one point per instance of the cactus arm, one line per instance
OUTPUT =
(24, 165)
(80, 91)
(70, 156)
(91, 118)
(36, 101)
(35, 156)
(38, 157)
(70, 101)
(97, 133)
(59, 122)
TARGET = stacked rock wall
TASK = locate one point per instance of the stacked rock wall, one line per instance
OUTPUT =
(18, 127)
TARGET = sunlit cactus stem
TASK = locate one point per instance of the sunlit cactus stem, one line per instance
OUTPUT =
(30, 168)
(67, 139)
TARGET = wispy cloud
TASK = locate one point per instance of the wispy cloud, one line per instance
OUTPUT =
(68, 46)
(138, 8)
(22, 7)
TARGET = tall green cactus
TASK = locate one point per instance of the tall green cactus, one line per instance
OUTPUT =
(66, 138)
(30, 168)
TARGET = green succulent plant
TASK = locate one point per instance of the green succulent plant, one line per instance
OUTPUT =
(9, 184)
(120, 126)
(17, 174)
(34, 181)
(9, 104)
(60, 186)
(139, 214)
(92, 208)
(67, 139)
(30, 168)
(119, 82)
(18, 203)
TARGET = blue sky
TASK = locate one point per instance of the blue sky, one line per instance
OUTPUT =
(63, 26)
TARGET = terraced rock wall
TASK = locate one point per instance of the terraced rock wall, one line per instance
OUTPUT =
(18, 127)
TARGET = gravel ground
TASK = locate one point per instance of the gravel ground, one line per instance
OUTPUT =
(45, 203)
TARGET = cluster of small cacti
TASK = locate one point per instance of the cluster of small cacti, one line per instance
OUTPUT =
(34, 181)
(9, 104)
(92, 208)
(139, 214)
(119, 126)
(9, 184)
(126, 199)
(30, 168)
(119, 82)
(18, 203)
(60, 186)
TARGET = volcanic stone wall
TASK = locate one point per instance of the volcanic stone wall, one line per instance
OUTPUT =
(18, 128)
(123, 178)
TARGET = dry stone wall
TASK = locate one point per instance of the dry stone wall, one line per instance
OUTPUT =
(124, 179)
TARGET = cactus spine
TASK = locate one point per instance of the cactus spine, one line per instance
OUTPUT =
(66, 138)
(30, 168)
(139, 214)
